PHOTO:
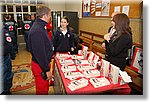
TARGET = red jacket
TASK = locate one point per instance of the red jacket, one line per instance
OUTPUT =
(49, 30)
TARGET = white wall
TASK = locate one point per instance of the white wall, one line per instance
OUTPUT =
(56, 5)
(74, 5)
(65, 5)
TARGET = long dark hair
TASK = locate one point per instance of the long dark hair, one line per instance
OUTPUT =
(122, 23)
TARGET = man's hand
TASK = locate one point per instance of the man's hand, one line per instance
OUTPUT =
(72, 49)
(49, 75)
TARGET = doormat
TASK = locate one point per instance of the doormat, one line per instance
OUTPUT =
(23, 78)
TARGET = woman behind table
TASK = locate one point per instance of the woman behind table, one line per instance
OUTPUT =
(120, 41)
(63, 38)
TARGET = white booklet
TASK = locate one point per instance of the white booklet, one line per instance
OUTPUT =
(91, 56)
(80, 62)
(62, 56)
(99, 82)
(77, 57)
(125, 77)
(105, 67)
(81, 68)
(114, 73)
(68, 68)
(91, 73)
(77, 84)
(66, 62)
(73, 75)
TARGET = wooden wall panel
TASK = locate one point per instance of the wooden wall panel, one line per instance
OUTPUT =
(100, 26)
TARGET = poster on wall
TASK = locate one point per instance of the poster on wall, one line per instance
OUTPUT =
(86, 8)
(125, 9)
(96, 8)
(105, 7)
(117, 9)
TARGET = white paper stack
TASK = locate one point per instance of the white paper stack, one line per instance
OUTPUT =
(62, 56)
(68, 68)
(77, 84)
(84, 51)
(91, 56)
(96, 57)
(81, 68)
(99, 82)
(66, 62)
(80, 62)
(114, 74)
(77, 57)
(125, 77)
(91, 73)
(73, 75)
(105, 68)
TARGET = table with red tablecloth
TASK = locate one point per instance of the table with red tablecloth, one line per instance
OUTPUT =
(61, 84)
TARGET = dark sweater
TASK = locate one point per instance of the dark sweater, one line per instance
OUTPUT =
(117, 50)
(39, 45)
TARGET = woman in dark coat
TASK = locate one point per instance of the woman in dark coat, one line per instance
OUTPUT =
(63, 40)
(119, 42)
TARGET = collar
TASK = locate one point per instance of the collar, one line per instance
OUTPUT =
(42, 23)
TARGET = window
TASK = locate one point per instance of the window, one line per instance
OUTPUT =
(10, 8)
(32, 1)
(39, 2)
(25, 8)
(18, 8)
(9, 1)
(24, 1)
(3, 1)
(33, 8)
(4, 8)
(17, 1)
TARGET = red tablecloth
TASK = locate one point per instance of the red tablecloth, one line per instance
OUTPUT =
(113, 88)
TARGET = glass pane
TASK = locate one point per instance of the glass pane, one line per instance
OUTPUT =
(24, 1)
(26, 17)
(19, 23)
(17, 1)
(11, 17)
(4, 8)
(32, 1)
(39, 2)
(9, 1)
(10, 8)
(25, 8)
(3, 1)
(33, 8)
(18, 8)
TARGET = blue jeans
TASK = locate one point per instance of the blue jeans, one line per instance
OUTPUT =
(7, 74)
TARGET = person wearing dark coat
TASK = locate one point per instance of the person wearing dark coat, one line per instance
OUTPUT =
(41, 50)
(63, 40)
(8, 55)
(119, 42)
(26, 25)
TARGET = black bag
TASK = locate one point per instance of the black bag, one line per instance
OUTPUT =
(44, 76)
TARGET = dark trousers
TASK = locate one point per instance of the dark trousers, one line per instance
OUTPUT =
(26, 33)
(15, 43)
(7, 75)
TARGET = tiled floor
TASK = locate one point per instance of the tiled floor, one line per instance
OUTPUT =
(23, 57)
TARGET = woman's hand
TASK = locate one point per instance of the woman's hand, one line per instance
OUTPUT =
(107, 37)
(103, 45)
